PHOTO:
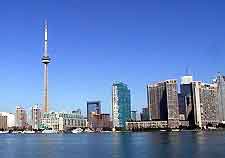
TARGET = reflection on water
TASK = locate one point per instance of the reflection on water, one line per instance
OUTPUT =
(116, 145)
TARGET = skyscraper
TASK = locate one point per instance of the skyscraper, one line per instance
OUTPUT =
(3, 122)
(21, 117)
(10, 119)
(205, 103)
(45, 60)
(186, 98)
(163, 102)
(221, 98)
(36, 117)
(145, 114)
(134, 115)
(93, 107)
(121, 104)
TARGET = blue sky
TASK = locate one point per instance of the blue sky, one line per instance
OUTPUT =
(93, 43)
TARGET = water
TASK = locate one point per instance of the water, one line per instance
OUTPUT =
(115, 145)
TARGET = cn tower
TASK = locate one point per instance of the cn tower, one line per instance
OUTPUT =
(45, 60)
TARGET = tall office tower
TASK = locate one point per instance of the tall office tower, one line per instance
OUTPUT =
(133, 115)
(182, 106)
(21, 117)
(121, 104)
(93, 107)
(145, 114)
(205, 103)
(36, 117)
(46, 60)
(163, 102)
(221, 98)
(150, 89)
(186, 98)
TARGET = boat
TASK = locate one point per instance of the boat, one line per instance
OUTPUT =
(88, 130)
(175, 130)
(17, 132)
(29, 132)
(49, 131)
(106, 131)
(4, 132)
(212, 128)
(77, 130)
(114, 129)
(163, 130)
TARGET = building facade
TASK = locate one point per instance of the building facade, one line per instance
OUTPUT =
(146, 124)
(60, 121)
(100, 121)
(36, 117)
(221, 98)
(133, 115)
(21, 117)
(163, 102)
(10, 119)
(121, 104)
(205, 103)
(186, 101)
(93, 106)
(145, 114)
(3, 122)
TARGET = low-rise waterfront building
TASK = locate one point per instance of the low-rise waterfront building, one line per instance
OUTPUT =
(146, 125)
(61, 121)
(100, 121)
(137, 125)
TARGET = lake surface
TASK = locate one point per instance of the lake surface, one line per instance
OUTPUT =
(116, 145)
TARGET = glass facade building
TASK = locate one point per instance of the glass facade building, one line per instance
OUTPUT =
(93, 107)
(121, 104)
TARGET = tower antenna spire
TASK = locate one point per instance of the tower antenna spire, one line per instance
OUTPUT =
(46, 39)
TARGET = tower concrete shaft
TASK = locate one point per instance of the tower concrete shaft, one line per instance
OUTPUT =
(45, 60)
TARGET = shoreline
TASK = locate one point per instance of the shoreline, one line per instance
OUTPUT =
(111, 132)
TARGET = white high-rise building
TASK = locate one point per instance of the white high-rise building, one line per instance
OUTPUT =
(205, 103)
(36, 117)
(197, 103)
(21, 117)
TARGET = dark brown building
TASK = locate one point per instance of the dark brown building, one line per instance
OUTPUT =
(100, 121)
(163, 102)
